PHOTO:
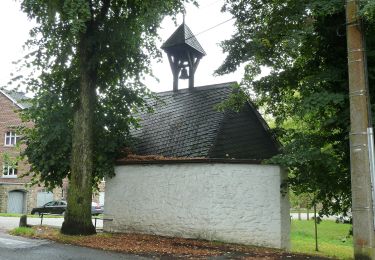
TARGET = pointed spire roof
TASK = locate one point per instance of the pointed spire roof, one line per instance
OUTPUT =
(183, 37)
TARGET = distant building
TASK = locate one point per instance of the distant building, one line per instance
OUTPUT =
(16, 196)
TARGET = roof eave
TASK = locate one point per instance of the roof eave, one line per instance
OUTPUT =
(265, 126)
(190, 160)
(184, 31)
(12, 99)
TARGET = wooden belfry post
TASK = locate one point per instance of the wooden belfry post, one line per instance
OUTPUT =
(184, 53)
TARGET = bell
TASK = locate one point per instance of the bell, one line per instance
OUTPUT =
(184, 74)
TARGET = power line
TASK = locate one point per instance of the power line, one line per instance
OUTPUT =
(213, 27)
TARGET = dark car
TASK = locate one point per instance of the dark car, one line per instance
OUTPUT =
(59, 207)
(96, 209)
(52, 207)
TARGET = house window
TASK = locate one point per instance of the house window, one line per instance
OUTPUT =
(11, 138)
(9, 171)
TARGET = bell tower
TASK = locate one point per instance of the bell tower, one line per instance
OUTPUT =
(184, 53)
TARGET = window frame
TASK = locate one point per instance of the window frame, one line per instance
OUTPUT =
(11, 170)
(13, 138)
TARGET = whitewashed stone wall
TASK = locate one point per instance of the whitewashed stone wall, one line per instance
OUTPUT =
(237, 203)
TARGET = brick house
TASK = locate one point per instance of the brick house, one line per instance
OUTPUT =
(16, 196)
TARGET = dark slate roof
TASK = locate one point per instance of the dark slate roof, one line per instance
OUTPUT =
(185, 124)
(17, 97)
(182, 37)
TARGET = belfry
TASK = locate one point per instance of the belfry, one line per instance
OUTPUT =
(184, 53)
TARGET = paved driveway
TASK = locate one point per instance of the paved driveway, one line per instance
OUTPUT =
(18, 248)
(7, 223)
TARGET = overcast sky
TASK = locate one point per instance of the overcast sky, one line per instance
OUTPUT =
(15, 27)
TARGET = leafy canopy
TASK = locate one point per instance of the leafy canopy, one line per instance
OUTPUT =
(304, 44)
(122, 36)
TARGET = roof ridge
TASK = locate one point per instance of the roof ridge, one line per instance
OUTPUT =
(195, 89)
(191, 40)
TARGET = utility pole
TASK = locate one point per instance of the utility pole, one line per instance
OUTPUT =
(362, 207)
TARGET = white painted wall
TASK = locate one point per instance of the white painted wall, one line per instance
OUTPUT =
(238, 203)
(101, 197)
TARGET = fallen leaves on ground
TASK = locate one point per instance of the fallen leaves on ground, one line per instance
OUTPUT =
(166, 247)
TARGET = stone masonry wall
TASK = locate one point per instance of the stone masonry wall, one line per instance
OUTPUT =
(9, 119)
(238, 203)
(30, 192)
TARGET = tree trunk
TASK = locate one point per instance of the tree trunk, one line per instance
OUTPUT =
(316, 228)
(78, 214)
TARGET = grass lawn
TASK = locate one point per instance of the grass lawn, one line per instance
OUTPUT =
(333, 239)
(23, 231)
(16, 215)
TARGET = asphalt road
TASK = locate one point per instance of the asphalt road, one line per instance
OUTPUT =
(18, 248)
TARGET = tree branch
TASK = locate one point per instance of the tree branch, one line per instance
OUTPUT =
(103, 11)
(91, 9)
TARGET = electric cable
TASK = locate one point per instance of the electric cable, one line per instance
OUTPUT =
(213, 27)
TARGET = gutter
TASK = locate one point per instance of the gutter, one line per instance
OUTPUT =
(180, 161)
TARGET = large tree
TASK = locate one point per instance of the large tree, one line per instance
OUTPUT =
(304, 44)
(90, 56)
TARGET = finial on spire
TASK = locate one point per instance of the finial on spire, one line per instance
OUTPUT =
(183, 15)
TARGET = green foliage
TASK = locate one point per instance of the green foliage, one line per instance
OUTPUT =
(235, 101)
(304, 44)
(302, 200)
(368, 10)
(333, 239)
(23, 231)
(117, 41)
